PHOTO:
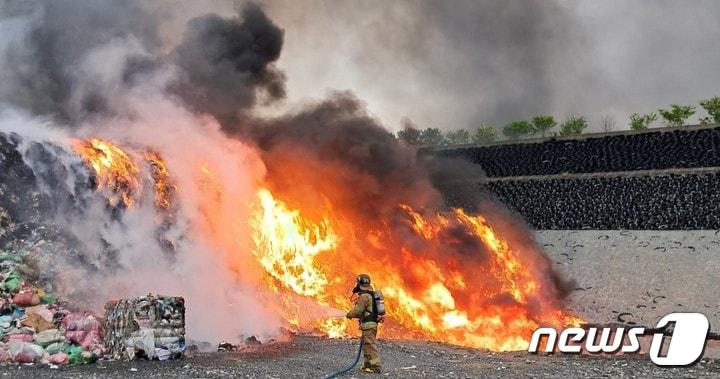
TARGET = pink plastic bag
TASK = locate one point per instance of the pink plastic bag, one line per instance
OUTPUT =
(59, 359)
(24, 358)
(5, 356)
(26, 298)
(23, 352)
(80, 321)
(22, 337)
(91, 340)
(75, 336)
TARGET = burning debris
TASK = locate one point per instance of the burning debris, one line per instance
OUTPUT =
(447, 275)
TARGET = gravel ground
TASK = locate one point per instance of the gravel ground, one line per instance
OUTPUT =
(621, 276)
(312, 357)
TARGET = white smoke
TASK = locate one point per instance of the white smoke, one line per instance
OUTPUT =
(221, 304)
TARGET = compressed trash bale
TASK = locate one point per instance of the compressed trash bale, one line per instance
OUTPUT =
(152, 326)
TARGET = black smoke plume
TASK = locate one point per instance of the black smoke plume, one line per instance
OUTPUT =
(70, 60)
(225, 61)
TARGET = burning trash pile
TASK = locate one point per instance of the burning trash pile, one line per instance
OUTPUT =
(148, 326)
(448, 275)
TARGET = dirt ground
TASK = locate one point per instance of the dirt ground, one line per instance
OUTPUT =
(313, 357)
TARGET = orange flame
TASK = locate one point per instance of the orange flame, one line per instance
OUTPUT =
(305, 259)
(286, 246)
(164, 186)
(117, 171)
(492, 295)
(114, 169)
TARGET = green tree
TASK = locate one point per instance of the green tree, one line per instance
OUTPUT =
(677, 115)
(410, 135)
(712, 107)
(541, 124)
(484, 134)
(432, 137)
(638, 122)
(573, 126)
(458, 137)
(517, 129)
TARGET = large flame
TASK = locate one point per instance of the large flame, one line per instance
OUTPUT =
(448, 305)
(114, 169)
(491, 295)
(119, 172)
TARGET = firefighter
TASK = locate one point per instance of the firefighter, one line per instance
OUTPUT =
(368, 322)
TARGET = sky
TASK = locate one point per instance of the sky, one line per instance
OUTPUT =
(460, 64)
(443, 64)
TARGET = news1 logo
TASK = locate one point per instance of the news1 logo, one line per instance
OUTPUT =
(687, 342)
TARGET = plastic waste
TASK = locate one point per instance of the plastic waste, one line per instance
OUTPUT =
(26, 298)
(9, 257)
(12, 283)
(19, 337)
(41, 310)
(59, 358)
(56, 347)
(18, 313)
(162, 354)
(80, 357)
(91, 340)
(48, 298)
(75, 336)
(146, 342)
(37, 322)
(5, 355)
(48, 337)
(24, 352)
(164, 316)
(81, 321)
(73, 353)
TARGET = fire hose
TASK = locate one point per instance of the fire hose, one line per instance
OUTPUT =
(348, 368)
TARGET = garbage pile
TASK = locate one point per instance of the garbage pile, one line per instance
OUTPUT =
(36, 328)
(151, 327)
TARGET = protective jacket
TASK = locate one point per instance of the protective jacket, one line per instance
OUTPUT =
(364, 309)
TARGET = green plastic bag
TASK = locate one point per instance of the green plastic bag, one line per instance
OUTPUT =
(48, 298)
(9, 257)
(55, 348)
(74, 353)
(80, 357)
(13, 282)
